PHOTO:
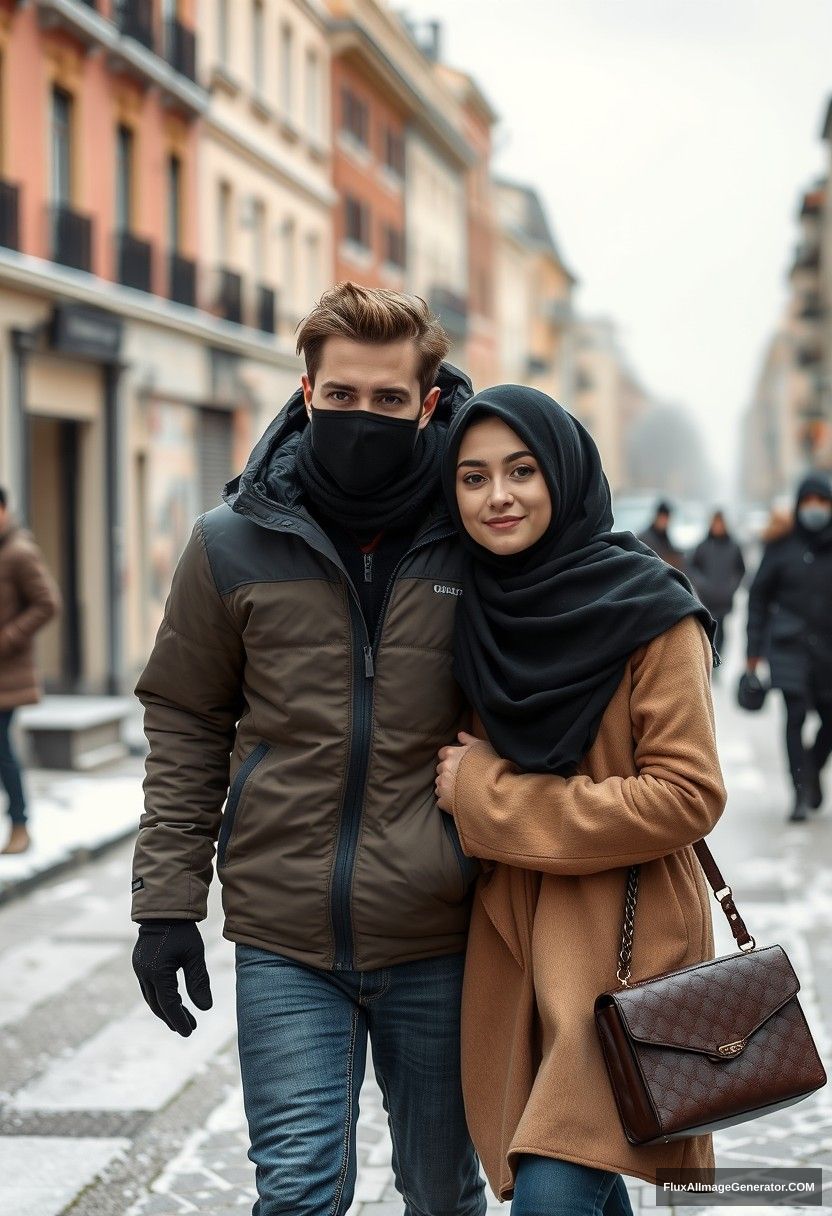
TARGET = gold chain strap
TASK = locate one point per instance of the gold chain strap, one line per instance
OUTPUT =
(625, 954)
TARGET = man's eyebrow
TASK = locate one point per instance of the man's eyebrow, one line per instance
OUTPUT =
(482, 464)
(377, 392)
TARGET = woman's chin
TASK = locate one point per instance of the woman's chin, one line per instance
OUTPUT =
(505, 544)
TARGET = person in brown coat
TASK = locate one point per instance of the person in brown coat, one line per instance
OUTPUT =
(29, 598)
(587, 660)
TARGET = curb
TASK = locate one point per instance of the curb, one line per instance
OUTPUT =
(77, 857)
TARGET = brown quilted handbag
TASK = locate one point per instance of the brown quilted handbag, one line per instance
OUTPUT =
(710, 1045)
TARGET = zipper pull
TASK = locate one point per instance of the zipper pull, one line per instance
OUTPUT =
(369, 669)
(368, 567)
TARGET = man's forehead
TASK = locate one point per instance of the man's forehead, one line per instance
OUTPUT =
(369, 363)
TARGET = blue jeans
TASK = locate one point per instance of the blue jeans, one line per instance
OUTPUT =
(10, 774)
(302, 1037)
(547, 1186)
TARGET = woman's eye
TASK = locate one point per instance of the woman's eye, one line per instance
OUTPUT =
(524, 471)
(473, 479)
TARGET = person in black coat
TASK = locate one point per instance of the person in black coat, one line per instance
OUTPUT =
(657, 538)
(790, 623)
(716, 569)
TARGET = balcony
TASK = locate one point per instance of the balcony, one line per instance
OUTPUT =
(229, 297)
(134, 261)
(809, 356)
(180, 48)
(265, 309)
(807, 257)
(811, 309)
(452, 311)
(182, 280)
(9, 215)
(134, 19)
(70, 237)
(537, 366)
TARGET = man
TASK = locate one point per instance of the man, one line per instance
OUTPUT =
(658, 538)
(308, 633)
(717, 569)
(28, 599)
(790, 623)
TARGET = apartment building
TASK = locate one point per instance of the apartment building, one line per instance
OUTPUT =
(534, 295)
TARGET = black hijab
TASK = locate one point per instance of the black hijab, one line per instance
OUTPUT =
(543, 636)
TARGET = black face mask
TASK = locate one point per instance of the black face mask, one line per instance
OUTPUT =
(362, 451)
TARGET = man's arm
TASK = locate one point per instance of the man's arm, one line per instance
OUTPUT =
(760, 596)
(40, 596)
(191, 690)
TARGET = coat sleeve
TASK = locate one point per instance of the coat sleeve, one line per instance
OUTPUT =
(191, 690)
(40, 596)
(574, 825)
(761, 595)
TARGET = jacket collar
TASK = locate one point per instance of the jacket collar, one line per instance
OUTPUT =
(268, 489)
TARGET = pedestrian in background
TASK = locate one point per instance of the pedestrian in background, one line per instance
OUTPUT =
(29, 598)
(588, 663)
(717, 568)
(657, 536)
(790, 624)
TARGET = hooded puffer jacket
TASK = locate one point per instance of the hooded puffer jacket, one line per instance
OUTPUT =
(789, 617)
(265, 692)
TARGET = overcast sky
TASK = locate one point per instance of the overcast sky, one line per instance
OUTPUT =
(670, 140)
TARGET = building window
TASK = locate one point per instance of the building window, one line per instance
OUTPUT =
(286, 82)
(224, 223)
(259, 242)
(394, 246)
(223, 33)
(394, 152)
(313, 95)
(124, 178)
(313, 267)
(287, 263)
(357, 221)
(61, 147)
(355, 117)
(257, 38)
(174, 204)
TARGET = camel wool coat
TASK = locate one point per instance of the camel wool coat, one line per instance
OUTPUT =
(547, 916)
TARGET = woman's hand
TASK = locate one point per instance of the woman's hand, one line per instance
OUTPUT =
(449, 761)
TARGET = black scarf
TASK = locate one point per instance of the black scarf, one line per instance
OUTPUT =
(543, 636)
(408, 496)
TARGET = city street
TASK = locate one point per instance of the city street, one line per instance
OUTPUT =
(104, 1112)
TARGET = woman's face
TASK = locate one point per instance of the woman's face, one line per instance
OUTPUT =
(500, 488)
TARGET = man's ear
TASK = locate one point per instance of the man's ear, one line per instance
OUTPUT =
(428, 406)
(306, 385)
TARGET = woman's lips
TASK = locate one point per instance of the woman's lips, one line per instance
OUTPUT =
(503, 525)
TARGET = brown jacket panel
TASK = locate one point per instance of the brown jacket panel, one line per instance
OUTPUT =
(273, 645)
(546, 923)
(29, 598)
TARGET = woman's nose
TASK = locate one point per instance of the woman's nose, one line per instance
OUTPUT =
(500, 494)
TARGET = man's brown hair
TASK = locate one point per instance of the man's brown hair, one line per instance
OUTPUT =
(373, 314)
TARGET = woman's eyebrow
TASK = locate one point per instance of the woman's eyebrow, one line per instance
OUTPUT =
(483, 464)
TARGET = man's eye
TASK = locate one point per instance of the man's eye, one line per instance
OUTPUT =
(392, 400)
(338, 395)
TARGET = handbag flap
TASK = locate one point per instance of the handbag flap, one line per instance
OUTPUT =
(711, 1005)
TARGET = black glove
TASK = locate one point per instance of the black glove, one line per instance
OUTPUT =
(163, 947)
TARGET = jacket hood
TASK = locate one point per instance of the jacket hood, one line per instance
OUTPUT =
(815, 483)
(270, 469)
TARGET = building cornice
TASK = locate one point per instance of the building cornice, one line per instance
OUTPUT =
(26, 273)
(281, 167)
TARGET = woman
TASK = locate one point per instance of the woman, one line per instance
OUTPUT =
(587, 660)
(717, 568)
(789, 622)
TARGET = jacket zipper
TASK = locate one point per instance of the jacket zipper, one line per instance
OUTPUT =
(240, 777)
(352, 805)
(351, 809)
